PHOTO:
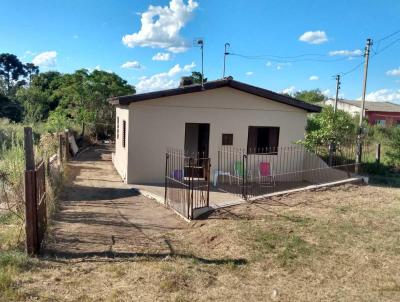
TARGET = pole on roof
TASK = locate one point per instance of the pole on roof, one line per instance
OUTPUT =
(360, 130)
(225, 54)
(202, 62)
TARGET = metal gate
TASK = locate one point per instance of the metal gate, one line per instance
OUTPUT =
(187, 182)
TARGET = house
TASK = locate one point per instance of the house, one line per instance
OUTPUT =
(201, 119)
(377, 113)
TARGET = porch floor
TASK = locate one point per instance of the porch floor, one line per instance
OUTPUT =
(218, 198)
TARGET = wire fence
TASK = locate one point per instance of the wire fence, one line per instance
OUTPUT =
(187, 181)
(260, 171)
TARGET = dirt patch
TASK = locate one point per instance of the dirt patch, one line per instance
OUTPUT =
(100, 215)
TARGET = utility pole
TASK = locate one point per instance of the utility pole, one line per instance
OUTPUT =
(360, 130)
(332, 146)
(367, 51)
(225, 54)
(337, 91)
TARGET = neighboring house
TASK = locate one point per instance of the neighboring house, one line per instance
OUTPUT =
(201, 119)
(377, 113)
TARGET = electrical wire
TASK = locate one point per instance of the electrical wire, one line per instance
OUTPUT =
(282, 60)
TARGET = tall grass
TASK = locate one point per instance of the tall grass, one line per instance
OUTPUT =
(12, 166)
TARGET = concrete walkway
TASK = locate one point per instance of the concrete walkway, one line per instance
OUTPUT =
(100, 215)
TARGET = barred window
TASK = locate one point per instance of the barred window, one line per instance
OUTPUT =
(262, 139)
(123, 134)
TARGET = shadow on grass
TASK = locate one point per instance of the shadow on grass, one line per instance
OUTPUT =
(111, 256)
(384, 181)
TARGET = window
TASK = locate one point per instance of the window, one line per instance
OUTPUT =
(398, 123)
(123, 134)
(227, 139)
(117, 127)
(380, 122)
(262, 140)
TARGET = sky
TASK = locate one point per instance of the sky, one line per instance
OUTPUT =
(284, 46)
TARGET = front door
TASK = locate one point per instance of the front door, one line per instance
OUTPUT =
(197, 137)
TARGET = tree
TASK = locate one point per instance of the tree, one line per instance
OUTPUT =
(310, 96)
(197, 76)
(31, 70)
(40, 97)
(84, 97)
(326, 127)
(10, 109)
(11, 70)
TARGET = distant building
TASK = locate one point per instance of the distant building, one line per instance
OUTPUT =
(377, 113)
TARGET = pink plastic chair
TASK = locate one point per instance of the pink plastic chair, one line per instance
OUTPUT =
(264, 174)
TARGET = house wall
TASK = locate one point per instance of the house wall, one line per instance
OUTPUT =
(391, 118)
(160, 123)
(353, 110)
(120, 157)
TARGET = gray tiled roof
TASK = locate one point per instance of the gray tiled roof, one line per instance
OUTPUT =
(375, 106)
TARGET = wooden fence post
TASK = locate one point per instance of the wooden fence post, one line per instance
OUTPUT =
(60, 150)
(378, 153)
(66, 145)
(30, 195)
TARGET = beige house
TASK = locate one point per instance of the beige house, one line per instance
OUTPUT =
(201, 119)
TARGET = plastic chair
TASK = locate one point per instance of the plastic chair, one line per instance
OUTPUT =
(265, 176)
(177, 174)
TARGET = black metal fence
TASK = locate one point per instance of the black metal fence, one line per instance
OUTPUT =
(187, 181)
(256, 172)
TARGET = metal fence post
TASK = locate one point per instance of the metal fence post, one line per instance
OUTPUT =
(244, 176)
(166, 179)
(208, 173)
(378, 153)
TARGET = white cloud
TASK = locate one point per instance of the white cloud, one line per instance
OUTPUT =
(189, 67)
(45, 59)
(279, 66)
(164, 80)
(383, 95)
(326, 92)
(346, 53)
(394, 72)
(249, 73)
(290, 90)
(131, 64)
(268, 64)
(313, 78)
(162, 56)
(161, 26)
(314, 37)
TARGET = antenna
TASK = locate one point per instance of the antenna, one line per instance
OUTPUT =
(199, 42)
(227, 45)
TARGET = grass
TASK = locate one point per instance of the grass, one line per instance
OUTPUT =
(12, 263)
(340, 244)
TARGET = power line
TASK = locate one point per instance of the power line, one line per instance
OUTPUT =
(388, 36)
(282, 60)
(386, 47)
(372, 56)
